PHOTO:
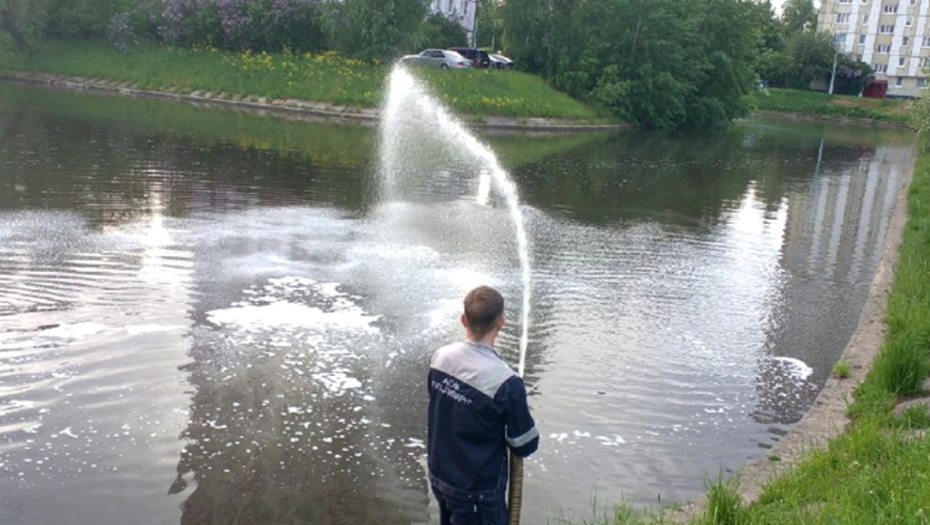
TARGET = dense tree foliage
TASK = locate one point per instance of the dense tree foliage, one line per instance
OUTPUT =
(374, 28)
(83, 18)
(662, 63)
(20, 19)
(489, 24)
(439, 31)
(362, 28)
(799, 15)
(657, 63)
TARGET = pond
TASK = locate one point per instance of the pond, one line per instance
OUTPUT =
(208, 316)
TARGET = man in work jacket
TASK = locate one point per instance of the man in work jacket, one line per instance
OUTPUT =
(477, 411)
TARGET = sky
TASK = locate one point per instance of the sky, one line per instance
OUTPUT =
(777, 5)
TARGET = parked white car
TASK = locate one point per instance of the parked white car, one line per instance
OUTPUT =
(500, 62)
(441, 58)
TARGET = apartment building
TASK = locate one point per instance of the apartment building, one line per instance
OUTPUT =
(891, 35)
(463, 12)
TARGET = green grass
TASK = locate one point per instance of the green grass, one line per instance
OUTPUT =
(914, 417)
(724, 504)
(832, 106)
(318, 78)
(841, 369)
(878, 471)
(512, 93)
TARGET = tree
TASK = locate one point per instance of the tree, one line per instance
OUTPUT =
(811, 58)
(657, 63)
(83, 18)
(799, 15)
(489, 24)
(728, 49)
(439, 31)
(21, 19)
(372, 29)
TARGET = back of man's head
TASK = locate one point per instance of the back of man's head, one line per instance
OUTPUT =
(484, 306)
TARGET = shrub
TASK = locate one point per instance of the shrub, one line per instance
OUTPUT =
(121, 34)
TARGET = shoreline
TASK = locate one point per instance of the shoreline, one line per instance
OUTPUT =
(328, 112)
(813, 117)
(319, 111)
(827, 417)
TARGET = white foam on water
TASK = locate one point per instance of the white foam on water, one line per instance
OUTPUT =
(73, 331)
(138, 329)
(337, 382)
(287, 314)
(798, 370)
(269, 310)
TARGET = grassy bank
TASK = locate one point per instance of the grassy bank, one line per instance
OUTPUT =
(326, 78)
(832, 106)
(879, 470)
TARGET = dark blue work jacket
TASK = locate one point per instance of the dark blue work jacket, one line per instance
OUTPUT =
(477, 409)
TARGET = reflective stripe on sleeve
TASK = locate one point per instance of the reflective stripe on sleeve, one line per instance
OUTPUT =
(519, 441)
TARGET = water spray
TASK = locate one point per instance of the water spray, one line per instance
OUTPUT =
(406, 94)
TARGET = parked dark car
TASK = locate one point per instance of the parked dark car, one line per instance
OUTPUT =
(478, 57)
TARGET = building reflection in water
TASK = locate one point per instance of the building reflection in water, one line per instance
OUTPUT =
(834, 235)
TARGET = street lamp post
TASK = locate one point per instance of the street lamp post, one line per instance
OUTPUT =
(474, 26)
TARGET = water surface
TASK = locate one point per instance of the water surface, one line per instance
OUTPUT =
(209, 317)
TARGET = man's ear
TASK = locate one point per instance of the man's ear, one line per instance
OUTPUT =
(464, 321)
(500, 322)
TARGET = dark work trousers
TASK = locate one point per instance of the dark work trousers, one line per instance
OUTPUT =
(454, 511)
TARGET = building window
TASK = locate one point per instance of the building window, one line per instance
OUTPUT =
(902, 61)
(898, 82)
(842, 18)
(924, 62)
(882, 48)
(909, 21)
(890, 8)
(886, 29)
(858, 57)
(880, 68)
(865, 19)
(862, 39)
(905, 41)
(845, 1)
(922, 82)
(925, 42)
(913, 2)
(840, 39)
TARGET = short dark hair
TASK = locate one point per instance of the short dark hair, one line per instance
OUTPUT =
(483, 307)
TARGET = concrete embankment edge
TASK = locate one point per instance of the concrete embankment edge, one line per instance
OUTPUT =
(827, 418)
(808, 117)
(290, 108)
